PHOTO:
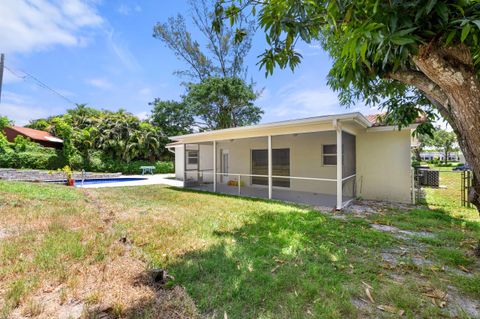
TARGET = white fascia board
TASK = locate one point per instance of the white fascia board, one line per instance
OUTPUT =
(355, 116)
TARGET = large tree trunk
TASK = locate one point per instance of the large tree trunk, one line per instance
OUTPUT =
(447, 77)
(451, 69)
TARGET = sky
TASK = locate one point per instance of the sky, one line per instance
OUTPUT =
(102, 52)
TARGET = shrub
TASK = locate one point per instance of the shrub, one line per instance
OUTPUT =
(164, 167)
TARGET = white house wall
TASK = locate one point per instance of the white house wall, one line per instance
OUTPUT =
(206, 162)
(179, 162)
(384, 165)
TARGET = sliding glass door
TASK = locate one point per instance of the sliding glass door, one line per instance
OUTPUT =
(280, 166)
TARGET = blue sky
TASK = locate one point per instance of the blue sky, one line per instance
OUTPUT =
(102, 53)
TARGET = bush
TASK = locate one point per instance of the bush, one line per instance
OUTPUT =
(99, 163)
(26, 154)
(33, 160)
(164, 167)
(416, 163)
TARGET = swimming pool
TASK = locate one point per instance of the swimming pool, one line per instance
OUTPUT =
(108, 180)
(94, 181)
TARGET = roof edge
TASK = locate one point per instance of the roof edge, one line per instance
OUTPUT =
(325, 118)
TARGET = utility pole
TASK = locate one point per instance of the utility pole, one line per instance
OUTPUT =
(2, 62)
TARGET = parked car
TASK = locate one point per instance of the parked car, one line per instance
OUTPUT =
(462, 167)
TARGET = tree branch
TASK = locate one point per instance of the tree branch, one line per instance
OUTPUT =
(421, 82)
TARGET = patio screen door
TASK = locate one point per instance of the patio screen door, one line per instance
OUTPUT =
(280, 166)
(224, 165)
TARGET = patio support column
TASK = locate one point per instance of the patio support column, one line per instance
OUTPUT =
(214, 166)
(269, 167)
(338, 128)
(184, 165)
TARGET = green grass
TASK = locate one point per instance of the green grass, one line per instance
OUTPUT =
(241, 257)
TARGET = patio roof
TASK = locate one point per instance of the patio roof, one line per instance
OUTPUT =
(276, 128)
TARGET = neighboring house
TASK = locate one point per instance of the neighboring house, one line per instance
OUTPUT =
(429, 156)
(41, 137)
(300, 161)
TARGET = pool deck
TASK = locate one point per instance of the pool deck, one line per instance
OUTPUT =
(157, 179)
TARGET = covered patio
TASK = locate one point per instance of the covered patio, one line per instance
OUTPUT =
(311, 162)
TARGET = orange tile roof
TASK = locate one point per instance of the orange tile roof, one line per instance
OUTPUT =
(36, 135)
(376, 119)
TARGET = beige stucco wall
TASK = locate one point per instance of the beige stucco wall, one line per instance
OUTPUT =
(384, 165)
(179, 162)
(305, 158)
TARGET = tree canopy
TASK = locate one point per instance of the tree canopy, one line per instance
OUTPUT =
(221, 56)
(175, 118)
(223, 103)
(443, 140)
(406, 56)
(119, 135)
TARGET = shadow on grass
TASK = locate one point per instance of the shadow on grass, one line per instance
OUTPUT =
(242, 197)
(289, 264)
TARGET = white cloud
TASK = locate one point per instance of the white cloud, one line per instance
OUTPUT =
(298, 100)
(29, 25)
(20, 108)
(22, 114)
(100, 83)
(306, 102)
(145, 91)
(121, 50)
(126, 10)
(142, 115)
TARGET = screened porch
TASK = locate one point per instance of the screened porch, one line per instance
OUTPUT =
(300, 168)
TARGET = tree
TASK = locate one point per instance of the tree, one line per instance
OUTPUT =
(407, 56)
(223, 102)
(4, 122)
(222, 55)
(173, 118)
(443, 140)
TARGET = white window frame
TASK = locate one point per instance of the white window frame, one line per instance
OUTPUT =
(189, 156)
(328, 154)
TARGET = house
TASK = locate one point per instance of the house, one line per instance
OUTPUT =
(41, 137)
(323, 161)
(430, 156)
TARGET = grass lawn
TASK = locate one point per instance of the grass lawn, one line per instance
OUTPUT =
(87, 250)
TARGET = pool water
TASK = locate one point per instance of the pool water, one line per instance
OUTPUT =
(108, 180)
(93, 181)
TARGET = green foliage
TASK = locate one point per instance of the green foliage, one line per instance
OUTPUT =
(113, 166)
(218, 96)
(444, 140)
(122, 136)
(370, 42)
(223, 56)
(92, 137)
(4, 122)
(4, 143)
(175, 118)
(223, 102)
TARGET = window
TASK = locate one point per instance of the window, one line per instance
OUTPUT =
(280, 167)
(192, 157)
(329, 154)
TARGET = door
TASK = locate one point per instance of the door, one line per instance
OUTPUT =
(224, 165)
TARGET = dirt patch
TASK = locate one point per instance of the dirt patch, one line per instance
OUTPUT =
(370, 207)
(118, 286)
(400, 233)
(3, 233)
(461, 304)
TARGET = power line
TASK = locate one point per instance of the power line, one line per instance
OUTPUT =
(39, 83)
